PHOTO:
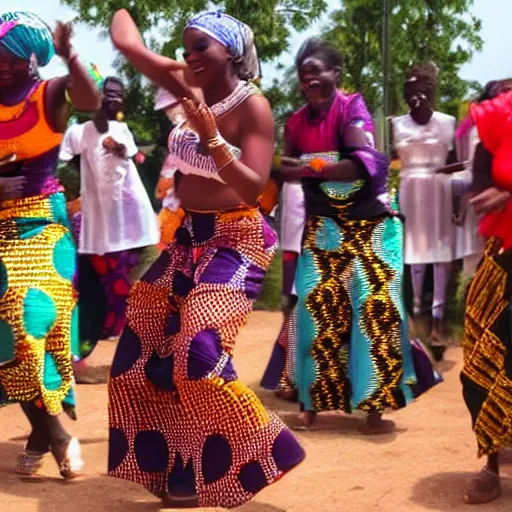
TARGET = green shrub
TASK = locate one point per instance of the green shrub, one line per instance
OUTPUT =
(270, 299)
(69, 177)
(457, 304)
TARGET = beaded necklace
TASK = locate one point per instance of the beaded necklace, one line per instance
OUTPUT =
(241, 92)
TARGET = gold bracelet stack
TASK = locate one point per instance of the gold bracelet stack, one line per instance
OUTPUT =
(219, 151)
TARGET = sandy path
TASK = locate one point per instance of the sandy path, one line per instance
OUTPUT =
(423, 467)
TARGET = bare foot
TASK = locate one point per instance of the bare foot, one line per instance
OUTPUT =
(483, 488)
(375, 426)
(308, 420)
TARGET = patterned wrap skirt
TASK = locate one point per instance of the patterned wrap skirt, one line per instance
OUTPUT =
(181, 422)
(353, 346)
(487, 371)
(38, 312)
(281, 373)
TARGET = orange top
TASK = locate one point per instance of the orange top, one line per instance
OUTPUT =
(24, 129)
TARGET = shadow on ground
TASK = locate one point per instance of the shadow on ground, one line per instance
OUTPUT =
(53, 493)
(445, 491)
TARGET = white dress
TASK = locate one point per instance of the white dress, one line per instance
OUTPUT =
(116, 210)
(293, 219)
(425, 196)
(467, 240)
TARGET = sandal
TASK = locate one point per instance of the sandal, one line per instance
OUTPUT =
(29, 463)
(483, 488)
(68, 457)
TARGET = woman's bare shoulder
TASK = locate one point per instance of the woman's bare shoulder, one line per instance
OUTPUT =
(257, 109)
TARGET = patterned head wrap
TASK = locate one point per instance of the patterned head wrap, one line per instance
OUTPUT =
(233, 34)
(25, 34)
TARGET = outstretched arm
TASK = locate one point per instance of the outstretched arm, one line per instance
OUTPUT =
(163, 71)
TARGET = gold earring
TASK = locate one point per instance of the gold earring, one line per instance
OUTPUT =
(120, 117)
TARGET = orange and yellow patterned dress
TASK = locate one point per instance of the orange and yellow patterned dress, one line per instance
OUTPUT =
(38, 315)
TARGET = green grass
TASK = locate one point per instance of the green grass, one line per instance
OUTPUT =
(270, 299)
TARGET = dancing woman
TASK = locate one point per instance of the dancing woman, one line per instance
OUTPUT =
(181, 422)
(38, 315)
(353, 349)
(487, 371)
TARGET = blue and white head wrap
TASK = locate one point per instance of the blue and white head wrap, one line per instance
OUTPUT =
(25, 34)
(233, 34)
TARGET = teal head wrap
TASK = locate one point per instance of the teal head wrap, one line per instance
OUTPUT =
(25, 34)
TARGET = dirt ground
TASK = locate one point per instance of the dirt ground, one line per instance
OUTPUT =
(423, 467)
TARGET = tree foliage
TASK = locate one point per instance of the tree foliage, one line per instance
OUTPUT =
(161, 23)
(441, 31)
(271, 20)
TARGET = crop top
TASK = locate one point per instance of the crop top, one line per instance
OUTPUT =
(185, 152)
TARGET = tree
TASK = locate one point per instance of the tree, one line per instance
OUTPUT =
(271, 20)
(441, 31)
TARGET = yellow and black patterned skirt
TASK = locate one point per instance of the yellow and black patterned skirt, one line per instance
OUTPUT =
(38, 314)
(487, 372)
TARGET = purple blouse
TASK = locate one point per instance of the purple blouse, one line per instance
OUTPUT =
(368, 197)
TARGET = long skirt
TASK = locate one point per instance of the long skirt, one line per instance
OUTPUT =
(280, 373)
(38, 312)
(181, 422)
(487, 371)
(353, 346)
(104, 284)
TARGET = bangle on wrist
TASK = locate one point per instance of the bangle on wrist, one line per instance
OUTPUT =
(215, 142)
(225, 165)
(221, 156)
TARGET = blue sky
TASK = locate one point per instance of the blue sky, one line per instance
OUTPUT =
(491, 63)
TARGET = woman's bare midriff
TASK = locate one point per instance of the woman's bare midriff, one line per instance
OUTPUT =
(201, 194)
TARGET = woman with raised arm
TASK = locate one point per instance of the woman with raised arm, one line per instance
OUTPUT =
(181, 422)
(353, 347)
(38, 315)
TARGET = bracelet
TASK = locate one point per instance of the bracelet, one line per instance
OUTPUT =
(221, 156)
(225, 165)
(215, 142)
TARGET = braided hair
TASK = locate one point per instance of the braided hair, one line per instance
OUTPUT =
(424, 74)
